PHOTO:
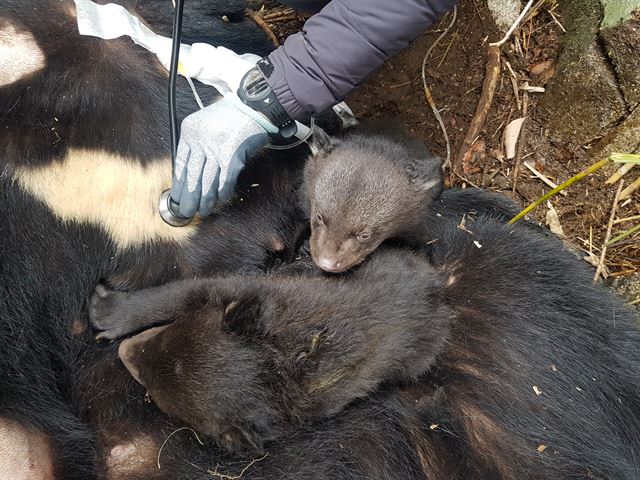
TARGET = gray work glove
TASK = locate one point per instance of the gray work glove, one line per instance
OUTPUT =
(215, 143)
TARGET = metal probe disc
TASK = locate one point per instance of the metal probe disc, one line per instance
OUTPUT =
(167, 213)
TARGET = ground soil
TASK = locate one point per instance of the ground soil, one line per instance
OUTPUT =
(455, 73)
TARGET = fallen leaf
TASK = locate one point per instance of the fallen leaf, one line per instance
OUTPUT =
(540, 67)
(544, 78)
(511, 135)
(541, 448)
(474, 157)
(553, 221)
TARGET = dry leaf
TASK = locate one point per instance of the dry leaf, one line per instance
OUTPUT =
(540, 67)
(553, 221)
(541, 448)
(475, 156)
(537, 390)
(511, 135)
(592, 260)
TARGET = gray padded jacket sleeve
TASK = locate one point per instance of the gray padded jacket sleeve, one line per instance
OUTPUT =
(343, 44)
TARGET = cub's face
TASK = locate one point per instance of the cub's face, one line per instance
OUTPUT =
(356, 204)
(206, 372)
(336, 245)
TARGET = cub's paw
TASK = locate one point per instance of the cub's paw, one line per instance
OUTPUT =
(106, 313)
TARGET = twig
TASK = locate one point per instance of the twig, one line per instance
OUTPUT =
(484, 104)
(279, 13)
(283, 18)
(171, 435)
(514, 26)
(621, 172)
(612, 217)
(542, 177)
(236, 477)
(521, 141)
(593, 168)
(623, 273)
(630, 189)
(534, 11)
(446, 51)
(264, 26)
(589, 242)
(556, 21)
(427, 92)
(514, 84)
(466, 180)
(627, 219)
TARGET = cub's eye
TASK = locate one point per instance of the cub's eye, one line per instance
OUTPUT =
(364, 236)
(319, 219)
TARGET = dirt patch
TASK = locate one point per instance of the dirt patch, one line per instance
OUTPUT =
(455, 74)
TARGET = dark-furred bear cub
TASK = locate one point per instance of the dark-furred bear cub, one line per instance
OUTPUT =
(247, 358)
(364, 188)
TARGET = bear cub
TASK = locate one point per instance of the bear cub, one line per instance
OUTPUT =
(246, 358)
(365, 188)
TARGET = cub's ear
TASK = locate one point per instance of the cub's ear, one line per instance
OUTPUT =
(243, 315)
(426, 174)
(322, 144)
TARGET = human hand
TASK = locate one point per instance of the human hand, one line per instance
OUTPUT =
(215, 143)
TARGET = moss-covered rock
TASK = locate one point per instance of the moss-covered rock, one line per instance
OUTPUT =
(622, 44)
(617, 11)
(583, 101)
(624, 138)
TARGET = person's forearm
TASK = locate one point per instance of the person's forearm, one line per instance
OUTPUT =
(342, 45)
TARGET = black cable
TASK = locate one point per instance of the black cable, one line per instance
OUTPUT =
(168, 207)
(173, 75)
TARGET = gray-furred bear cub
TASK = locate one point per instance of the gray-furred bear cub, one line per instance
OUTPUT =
(363, 189)
(248, 358)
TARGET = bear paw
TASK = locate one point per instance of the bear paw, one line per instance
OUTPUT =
(106, 313)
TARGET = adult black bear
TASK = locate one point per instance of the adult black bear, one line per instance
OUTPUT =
(539, 377)
(83, 136)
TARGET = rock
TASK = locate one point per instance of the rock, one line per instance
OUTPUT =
(583, 101)
(504, 13)
(622, 44)
(628, 288)
(616, 11)
(624, 139)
